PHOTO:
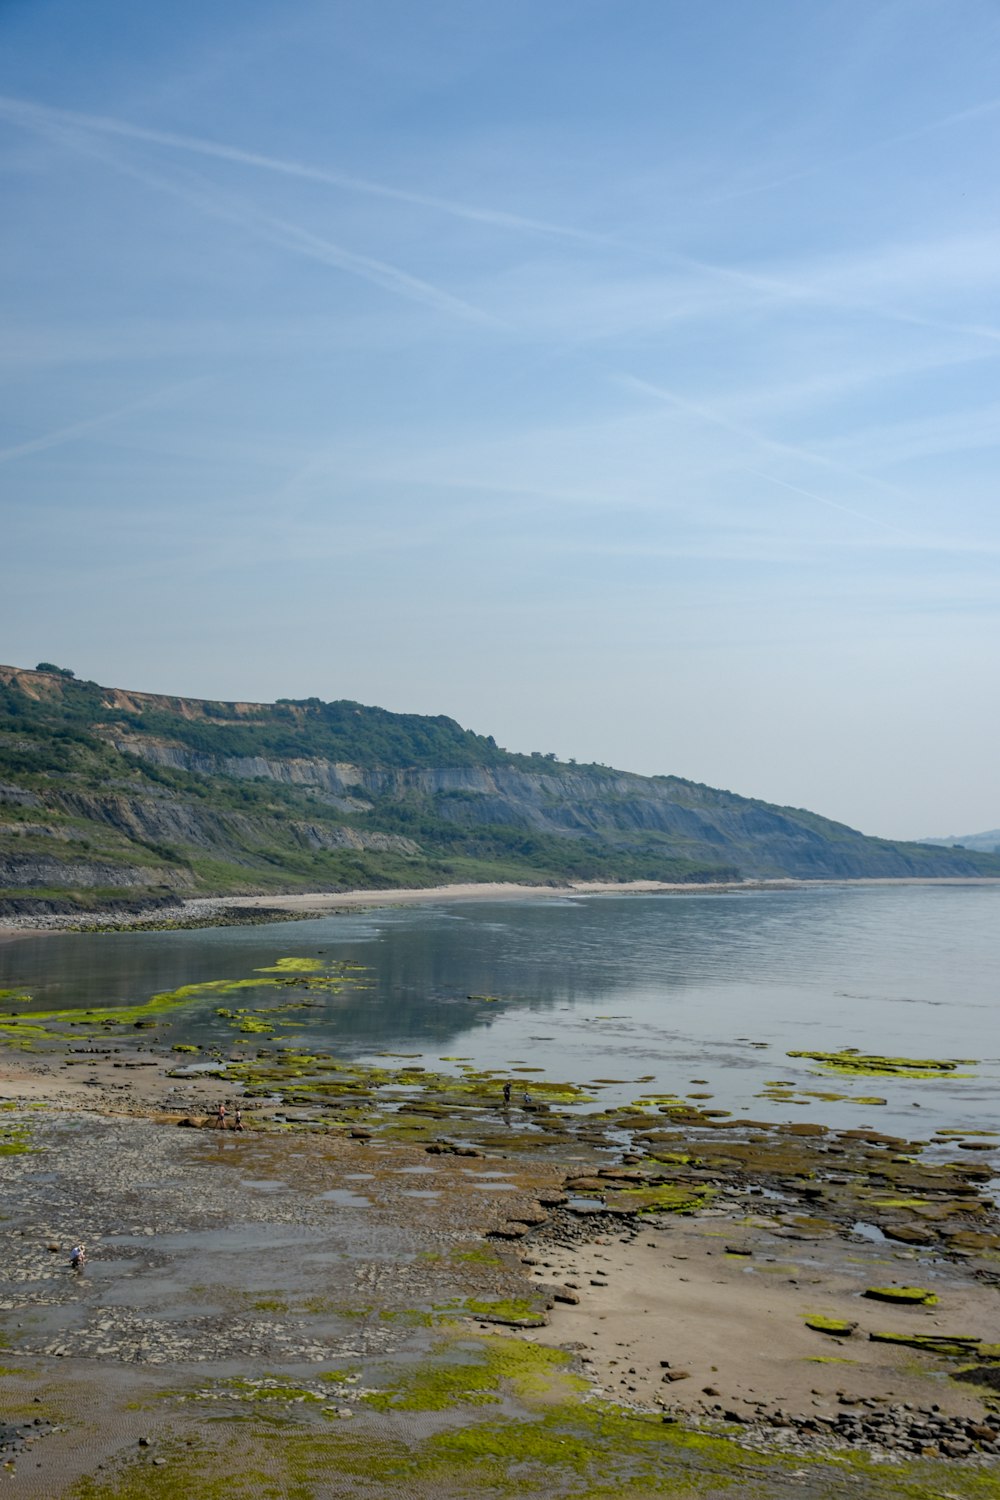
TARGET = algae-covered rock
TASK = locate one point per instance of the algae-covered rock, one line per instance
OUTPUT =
(870, 1064)
(904, 1296)
(513, 1312)
(663, 1197)
(954, 1346)
(968, 1239)
(908, 1234)
(838, 1327)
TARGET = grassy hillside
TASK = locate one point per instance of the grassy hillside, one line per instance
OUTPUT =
(110, 797)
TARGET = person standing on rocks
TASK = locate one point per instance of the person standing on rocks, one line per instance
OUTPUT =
(506, 1094)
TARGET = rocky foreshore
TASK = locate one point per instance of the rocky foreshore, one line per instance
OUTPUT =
(377, 1244)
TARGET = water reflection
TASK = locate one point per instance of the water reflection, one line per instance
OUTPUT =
(718, 986)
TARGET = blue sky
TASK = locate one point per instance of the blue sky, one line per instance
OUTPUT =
(619, 378)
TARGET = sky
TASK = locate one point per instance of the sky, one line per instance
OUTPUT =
(619, 377)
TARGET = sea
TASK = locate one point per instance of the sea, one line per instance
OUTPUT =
(699, 994)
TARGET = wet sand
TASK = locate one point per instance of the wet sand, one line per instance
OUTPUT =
(730, 1328)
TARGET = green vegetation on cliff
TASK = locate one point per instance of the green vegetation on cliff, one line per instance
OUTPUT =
(108, 797)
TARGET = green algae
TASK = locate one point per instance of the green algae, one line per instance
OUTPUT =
(15, 1140)
(22, 1035)
(414, 1317)
(519, 1311)
(465, 1372)
(586, 1450)
(872, 1065)
(46, 1025)
(268, 1388)
(455, 1385)
(556, 1444)
(591, 1454)
(476, 1255)
(292, 966)
(244, 1021)
(184, 1473)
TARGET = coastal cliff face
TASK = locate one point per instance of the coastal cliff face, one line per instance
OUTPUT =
(103, 790)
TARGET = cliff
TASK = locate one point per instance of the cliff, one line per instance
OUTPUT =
(106, 794)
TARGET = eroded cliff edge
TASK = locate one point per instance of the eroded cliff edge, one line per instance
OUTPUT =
(109, 796)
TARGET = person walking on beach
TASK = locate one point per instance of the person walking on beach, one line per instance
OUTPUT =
(78, 1257)
(220, 1116)
(506, 1093)
(238, 1121)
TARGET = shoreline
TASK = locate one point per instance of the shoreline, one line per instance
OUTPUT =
(199, 911)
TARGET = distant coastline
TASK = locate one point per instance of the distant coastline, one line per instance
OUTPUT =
(208, 911)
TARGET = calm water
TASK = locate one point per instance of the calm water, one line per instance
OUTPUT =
(674, 987)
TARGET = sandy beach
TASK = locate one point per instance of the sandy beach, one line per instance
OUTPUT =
(205, 909)
(212, 910)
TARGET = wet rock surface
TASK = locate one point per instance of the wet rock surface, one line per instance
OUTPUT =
(18, 1439)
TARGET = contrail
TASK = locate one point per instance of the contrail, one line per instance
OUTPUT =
(303, 242)
(25, 112)
(275, 231)
(104, 419)
(901, 138)
(772, 444)
(824, 500)
(41, 117)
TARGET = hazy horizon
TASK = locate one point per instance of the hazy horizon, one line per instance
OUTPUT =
(620, 381)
